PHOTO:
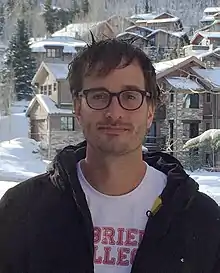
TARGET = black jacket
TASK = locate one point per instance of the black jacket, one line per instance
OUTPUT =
(46, 226)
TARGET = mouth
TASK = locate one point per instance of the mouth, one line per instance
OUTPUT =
(113, 130)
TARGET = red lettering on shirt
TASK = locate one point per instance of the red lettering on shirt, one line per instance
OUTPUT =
(116, 246)
(123, 259)
(108, 236)
(107, 256)
(131, 237)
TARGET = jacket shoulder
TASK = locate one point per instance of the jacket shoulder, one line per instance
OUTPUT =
(26, 190)
(204, 214)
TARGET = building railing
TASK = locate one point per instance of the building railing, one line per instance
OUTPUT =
(155, 143)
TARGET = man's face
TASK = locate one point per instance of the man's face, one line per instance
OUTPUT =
(114, 130)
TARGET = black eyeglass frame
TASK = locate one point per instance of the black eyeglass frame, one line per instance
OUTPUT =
(85, 92)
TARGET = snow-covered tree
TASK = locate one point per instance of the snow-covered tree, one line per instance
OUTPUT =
(49, 17)
(2, 18)
(20, 59)
(210, 138)
(85, 7)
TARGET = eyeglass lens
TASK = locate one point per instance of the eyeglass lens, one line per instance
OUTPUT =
(100, 99)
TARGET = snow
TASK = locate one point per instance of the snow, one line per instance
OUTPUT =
(184, 83)
(164, 20)
(212, 10)
(16, 124)
(207, 19)
(20, 159)
(162, 66)
(139, 28)
(59, 70)
(75, 30)
(144, 16)
(179, 33)
(69, 44)
(209, 183)
(131, 34)
(212, 135)
(210, 74)
(209, 34)
(48, 104)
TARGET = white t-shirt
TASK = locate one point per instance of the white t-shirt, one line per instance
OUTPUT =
(119, 221)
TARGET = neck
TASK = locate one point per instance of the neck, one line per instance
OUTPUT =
(113, 175)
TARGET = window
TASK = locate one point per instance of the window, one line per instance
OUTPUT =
(207, 126)
(171, 97)
(208, 97)
(67, 124)
(207, 158)
(49, 89)
(53, 52)
(194, 101)
(191, 101)
(193, 130)
(45, 90)
(55, 87)
(171, 129)
(41, 89)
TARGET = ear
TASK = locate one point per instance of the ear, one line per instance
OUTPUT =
(77, 109)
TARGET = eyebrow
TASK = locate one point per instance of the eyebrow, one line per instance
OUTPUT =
(131, 87)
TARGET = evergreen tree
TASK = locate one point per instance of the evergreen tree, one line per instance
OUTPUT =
(49, 17)
(85, 7)
(2, 19)
(19, 58)
(146, 6)
(75, 9)
(10, 5)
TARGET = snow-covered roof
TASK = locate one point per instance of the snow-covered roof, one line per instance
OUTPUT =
(139, 27)
(183, 83)
(212, 75)
(144, 16)
(179, 33)
(59, 70)
(176, 34)
(68, 43)
(212, 9)
(131, 34)
(48, 104)
(209, 52)
(209, 34)
(205, 34)
(75, 30)
(164, 20)
(162, 66)
(207, 19)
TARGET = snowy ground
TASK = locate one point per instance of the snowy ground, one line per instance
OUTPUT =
(20, 158)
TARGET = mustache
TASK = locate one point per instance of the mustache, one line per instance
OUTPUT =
(116, 124)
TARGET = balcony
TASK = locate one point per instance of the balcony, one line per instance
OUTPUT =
(155, 144)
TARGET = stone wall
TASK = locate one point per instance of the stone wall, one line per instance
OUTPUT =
(181, 118)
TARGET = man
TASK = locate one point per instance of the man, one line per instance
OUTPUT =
(105, 207)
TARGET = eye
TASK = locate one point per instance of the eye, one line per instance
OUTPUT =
(130, 95)
(99, 96)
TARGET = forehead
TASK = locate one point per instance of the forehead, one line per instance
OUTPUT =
(130, 75)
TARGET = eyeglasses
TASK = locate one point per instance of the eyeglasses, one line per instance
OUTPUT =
(100, 98)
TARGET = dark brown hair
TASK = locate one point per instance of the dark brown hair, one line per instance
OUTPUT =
(101, 57)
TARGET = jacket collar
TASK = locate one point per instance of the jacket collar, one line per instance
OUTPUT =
(176, 197)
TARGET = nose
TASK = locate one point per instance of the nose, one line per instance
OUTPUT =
(114, 111)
